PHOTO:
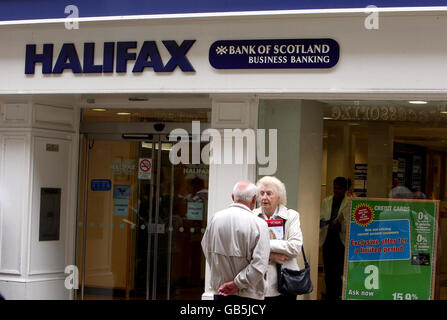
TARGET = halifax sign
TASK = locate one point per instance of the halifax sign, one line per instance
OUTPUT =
(115, 57)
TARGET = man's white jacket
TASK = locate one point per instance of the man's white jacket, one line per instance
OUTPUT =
(236, 247)
(342, 216)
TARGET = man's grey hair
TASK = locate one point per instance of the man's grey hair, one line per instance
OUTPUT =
(245, 193)
(277, 185)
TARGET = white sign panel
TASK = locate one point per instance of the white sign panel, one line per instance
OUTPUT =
(195, 211)
(145, 169)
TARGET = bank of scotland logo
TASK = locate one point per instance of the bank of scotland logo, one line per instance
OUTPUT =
(222, 50)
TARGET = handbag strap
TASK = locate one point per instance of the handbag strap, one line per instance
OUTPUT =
(304, 257)
(306, 264)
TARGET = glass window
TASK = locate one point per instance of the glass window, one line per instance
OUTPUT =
(387, 150)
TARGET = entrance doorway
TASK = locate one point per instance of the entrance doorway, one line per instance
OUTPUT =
(141, 219)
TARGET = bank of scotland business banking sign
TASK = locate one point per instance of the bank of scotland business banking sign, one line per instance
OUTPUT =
(274, 54)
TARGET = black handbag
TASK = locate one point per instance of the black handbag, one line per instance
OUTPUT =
(294, 282)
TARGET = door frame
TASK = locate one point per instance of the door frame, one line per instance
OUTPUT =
(156, 133)
(136, 130)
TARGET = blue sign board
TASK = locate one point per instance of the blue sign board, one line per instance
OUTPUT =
(50, 9)
(121, 191)
(380, 240)
(101, 185)
(274, 54)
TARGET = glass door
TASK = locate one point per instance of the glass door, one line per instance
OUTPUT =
(140, 221)
(178, 270)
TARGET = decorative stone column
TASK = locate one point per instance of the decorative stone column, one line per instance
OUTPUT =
(340, 156)
(300, 143)
(38, 161)
(229, 112)
(380, 160)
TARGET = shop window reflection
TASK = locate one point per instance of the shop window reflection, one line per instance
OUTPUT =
(414, 168)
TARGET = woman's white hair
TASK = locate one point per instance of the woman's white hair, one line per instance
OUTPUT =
(245, 192)
(277, 185)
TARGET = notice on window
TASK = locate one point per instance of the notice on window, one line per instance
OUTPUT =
(145, 169)
(391, 249)
(120, 207)
(194, 211)
(121, 196)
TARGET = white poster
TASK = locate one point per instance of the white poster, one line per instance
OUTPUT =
(145, 169)
(195, 211)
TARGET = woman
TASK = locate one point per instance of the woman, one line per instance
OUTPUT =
(286, 240)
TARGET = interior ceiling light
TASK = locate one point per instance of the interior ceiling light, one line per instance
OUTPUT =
(99, 109)
(328, 118)
(444, 112)
(123, 113)
(418, 102)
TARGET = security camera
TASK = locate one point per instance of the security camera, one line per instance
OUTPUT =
(159, 127)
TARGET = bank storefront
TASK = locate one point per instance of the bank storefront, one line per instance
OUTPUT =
(94, 187)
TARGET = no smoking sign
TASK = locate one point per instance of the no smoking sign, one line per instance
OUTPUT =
(145, 169)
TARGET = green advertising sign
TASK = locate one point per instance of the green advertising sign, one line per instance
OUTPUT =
(391, 249)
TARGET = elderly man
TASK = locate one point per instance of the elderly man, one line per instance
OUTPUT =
(236, 247)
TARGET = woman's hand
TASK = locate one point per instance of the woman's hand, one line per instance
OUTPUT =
(278, 257)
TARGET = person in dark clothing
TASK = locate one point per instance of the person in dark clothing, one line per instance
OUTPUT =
(333, 217)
